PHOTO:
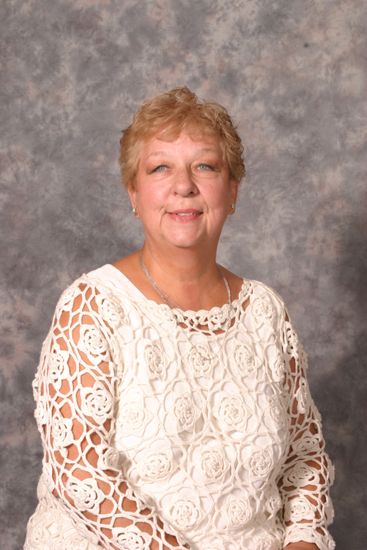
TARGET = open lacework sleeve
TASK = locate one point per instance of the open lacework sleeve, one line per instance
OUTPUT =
(75, 388)
(307, 472)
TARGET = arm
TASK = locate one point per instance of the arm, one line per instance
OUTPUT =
(307, 472)
(76, 392)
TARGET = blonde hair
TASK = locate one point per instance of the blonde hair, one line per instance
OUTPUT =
(167, 115)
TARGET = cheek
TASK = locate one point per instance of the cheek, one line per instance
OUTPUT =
(150, 199)
(220, 198)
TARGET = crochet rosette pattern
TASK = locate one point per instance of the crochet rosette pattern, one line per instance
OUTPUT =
(158, 421)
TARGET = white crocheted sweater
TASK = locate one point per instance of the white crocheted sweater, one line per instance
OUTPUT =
(155, 420)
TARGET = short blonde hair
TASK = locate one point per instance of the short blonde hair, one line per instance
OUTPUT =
(167, 115)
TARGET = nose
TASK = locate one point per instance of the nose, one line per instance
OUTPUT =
(184, 184)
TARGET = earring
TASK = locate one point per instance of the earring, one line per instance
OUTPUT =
(233, 207)
(134, 211)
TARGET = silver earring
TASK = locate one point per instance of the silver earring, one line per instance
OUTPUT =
(233, 206)
(134, 211)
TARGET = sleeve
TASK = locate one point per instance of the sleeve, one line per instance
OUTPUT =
(307, 473)
(75, 390)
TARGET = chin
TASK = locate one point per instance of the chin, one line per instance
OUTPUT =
(186, 244)
(183, 240)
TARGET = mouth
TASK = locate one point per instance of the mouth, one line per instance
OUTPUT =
(188, 214)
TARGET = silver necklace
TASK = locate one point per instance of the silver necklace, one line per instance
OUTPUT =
(199, 351)
(165, 297)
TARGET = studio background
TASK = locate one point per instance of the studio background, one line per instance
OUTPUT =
(293, 75)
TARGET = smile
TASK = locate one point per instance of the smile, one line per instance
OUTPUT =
(190, 212)
(185, 215)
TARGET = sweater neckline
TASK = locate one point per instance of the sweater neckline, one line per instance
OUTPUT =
(121, 280)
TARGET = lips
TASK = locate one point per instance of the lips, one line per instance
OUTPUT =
(186, 212)
(185, 215)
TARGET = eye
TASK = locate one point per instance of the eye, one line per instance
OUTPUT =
(159, 168)
(203, 166)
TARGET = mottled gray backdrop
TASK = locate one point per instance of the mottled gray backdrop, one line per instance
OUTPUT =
(293, 75)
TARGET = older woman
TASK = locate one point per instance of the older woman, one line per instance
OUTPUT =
(171, 394)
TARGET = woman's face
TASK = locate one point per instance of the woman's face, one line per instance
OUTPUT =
(183, 192)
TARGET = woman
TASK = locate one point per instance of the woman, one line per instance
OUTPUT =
(171, 394)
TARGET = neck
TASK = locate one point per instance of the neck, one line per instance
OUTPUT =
(184, 266)
(190, 279)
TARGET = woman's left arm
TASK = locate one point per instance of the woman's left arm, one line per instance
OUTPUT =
(307, 473)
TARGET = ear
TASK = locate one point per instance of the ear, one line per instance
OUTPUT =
(233, 190)
(132, 194)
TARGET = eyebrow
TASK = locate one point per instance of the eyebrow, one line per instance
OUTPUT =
(156, 154)
(162, 152)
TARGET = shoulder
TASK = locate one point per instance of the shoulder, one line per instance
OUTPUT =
(92, 291)
(258, 292)
(265, 303)
(99, 278)
(260, 289)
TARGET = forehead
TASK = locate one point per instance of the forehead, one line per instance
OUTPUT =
(185, 142)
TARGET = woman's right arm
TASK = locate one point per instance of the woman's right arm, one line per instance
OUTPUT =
(75, 388)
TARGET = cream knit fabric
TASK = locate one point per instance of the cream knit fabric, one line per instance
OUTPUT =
(155, 421)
